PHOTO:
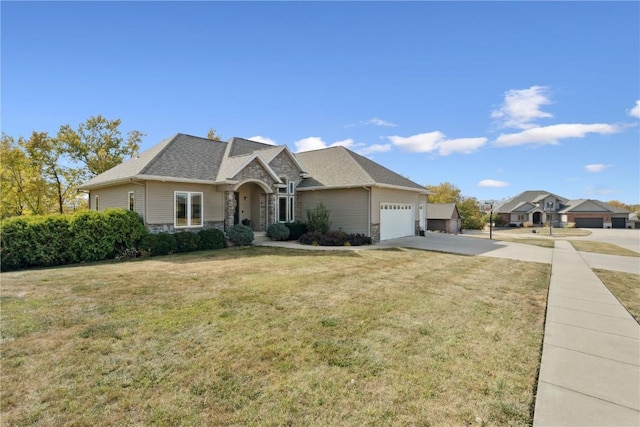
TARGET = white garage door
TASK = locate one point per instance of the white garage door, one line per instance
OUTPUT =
(396, 220)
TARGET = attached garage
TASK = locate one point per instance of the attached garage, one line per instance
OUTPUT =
(589, 222)
(397, 220)
(618, 222)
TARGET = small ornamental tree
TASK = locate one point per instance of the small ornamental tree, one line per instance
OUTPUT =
(318, 219)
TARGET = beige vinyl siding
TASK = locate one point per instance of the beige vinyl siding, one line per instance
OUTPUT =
(388, 195)
(160, 201)
(118, 197)
(349, 208)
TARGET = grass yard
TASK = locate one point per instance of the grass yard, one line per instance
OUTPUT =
(625, 286)
(602, 248)
(266, 336)
(544, 231)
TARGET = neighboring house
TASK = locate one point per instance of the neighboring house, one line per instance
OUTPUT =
(541, 207)
(443, 217)
(186, 182)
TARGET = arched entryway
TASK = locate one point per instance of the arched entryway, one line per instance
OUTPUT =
(537, 218)
(251, 205)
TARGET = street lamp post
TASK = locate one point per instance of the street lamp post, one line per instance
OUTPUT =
(491, 222)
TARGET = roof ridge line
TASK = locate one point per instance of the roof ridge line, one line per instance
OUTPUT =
(169, 142)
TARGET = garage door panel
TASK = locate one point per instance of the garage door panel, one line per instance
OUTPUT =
(589, 222)
(396, 220)
(618, 223)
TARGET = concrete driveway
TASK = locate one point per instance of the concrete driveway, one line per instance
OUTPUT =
(464, 245)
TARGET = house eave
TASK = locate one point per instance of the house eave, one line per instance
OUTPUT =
(363, 185)
(133, 179)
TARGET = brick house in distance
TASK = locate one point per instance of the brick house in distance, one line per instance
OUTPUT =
(541, 207)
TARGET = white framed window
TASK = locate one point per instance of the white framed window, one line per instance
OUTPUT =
(292, 187)
(97, 202)
(132, 200)
(188, 210)
(286, 208)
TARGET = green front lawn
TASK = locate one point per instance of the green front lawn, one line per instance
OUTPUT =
(266, 336)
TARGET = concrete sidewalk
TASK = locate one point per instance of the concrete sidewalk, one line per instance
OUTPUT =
(590, 369)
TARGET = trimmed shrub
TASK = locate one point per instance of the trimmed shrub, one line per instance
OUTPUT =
(35, 241)
(296, 229)
(186, 241)
(90, 242)
(358, 239)
(241, 235)
(334, 238)
(158, 244)
(278, 231)
(318, 219)
(126, 227)
(211, 239)
(310, 238)
(43, 241)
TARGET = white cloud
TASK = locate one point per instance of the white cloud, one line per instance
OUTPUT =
(594, 191)
(551, 134)
(635, 111)
(597, 167)
(316, 143)
(310, 143)
(420, 143)
(263, 139)
(492, 183)
(379, 122)
(375, 121)
(521, 107)
(375, 148)
(461, 145)
(436, 141)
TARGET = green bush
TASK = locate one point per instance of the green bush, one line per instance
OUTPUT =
(296, 229)
(126, 227)
(241, 235)
(48, 240)
(278, 231)
(310, 238)
(35, 241)
(186, 241)
(158, 244)
(334, 238)
(211, 239)
(318, 219)
(358, 239)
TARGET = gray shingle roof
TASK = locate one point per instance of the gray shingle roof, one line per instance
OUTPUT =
(181, 156)
(339, 167)
(441, 211)
(526, 196)
(577, 206)
(186, 157)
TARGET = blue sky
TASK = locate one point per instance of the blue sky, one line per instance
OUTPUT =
(494, 97)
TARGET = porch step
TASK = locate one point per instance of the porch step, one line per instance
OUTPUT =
(260, 236)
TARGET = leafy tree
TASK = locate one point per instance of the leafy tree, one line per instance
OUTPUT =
(45, 153)
(213, 136)
(444, 193)
(24, 189)
(472, 218)
(630, 208)
(98, 144)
